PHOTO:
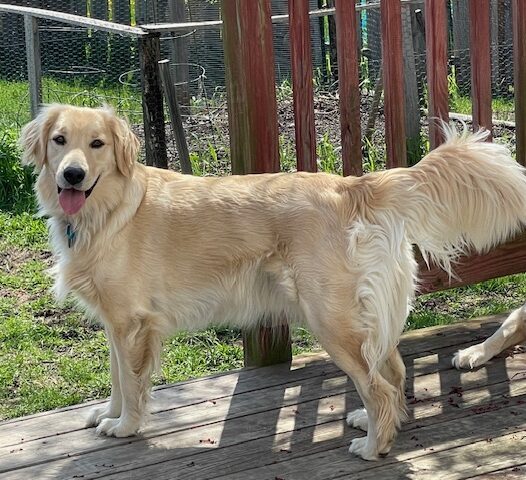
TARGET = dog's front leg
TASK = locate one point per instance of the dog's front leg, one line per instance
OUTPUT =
(113, 408)
(137, 350)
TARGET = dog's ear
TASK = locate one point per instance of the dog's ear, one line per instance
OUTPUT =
(34, 136)
(126, 144)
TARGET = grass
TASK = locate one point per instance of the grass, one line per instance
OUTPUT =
(52, 356)
(14, 98)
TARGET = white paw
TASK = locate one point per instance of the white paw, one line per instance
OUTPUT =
(98, 414)
(471, 357)
(358, 419)
(115, 427)
(360, 447)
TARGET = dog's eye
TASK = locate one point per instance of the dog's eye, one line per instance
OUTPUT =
(96, 143)
(59, 140)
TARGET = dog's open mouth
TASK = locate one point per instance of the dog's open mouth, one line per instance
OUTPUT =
(72, 200)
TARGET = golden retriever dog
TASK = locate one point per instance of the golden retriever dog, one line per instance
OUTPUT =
(512, 332)
(151, 251)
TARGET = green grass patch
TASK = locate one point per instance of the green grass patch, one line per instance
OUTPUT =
(53, 357)
(14, 98)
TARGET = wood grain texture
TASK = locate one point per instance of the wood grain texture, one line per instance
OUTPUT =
(348, 87)
(437, 68)
(480, 36)
(152, 101)
(292, 429)
(506, 259)
(75, 20)
(253, 127)
(302, 89)
(392, 60)
(519, 64)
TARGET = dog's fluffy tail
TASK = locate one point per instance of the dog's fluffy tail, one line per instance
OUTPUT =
(467, 194)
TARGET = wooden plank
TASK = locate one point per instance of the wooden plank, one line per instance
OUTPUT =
(414, 447)
(393, 76)
(318, 427)
(519, 65)
(74, 20)
(412, 98)
(437, 68)
(318, 13)
(253, 127)
(460, 40)
(248, 434)
(480, 37)
(431, 382)
(302, 89)
(171, 397)
(175, 116)
(152, 101)
(348, 87)
(179, 51)
(462, 462)
(34, 66)
(506, 259)
(516, 472)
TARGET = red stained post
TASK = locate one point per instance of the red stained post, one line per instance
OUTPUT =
(519, 63)
(436, 46)
(480, 36)
(394, 101)
(301, 59)
(349, 90)
(251, 90)
(253, 126)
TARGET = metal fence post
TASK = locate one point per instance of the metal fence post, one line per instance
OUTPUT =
(152, 101)
(34, 67)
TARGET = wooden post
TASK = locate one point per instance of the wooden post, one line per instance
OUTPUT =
(519, 64)
(34, 73)
(348, 85)
(152, 101)
(300, 53)
(460, 20)
(175, 116)
(391, 19)
(480, 36)
(412, 100)
(436, 46)
(253, 126)
(179, 54)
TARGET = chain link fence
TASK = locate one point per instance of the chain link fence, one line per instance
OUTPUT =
(90, 67)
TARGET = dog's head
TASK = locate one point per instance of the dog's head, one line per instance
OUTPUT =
(79, 149)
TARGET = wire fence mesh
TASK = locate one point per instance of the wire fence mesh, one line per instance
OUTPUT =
(89, 67)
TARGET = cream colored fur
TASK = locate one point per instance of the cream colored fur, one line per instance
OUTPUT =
(512, 332)
(157, 251)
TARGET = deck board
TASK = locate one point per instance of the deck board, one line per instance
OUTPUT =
(288, 422)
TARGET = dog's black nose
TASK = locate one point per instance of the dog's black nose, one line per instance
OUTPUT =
(74, 175)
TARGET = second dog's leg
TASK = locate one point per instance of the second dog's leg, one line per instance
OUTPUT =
(511, 332)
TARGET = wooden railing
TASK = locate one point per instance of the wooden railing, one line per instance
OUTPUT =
(253, 112)
(507, 259)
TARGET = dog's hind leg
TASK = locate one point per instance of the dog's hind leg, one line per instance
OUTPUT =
(380, 398)
(394, 372)
(113, 408)
(137, 349)
(511, 332)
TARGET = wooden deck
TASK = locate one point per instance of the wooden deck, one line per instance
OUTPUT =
(288, 423)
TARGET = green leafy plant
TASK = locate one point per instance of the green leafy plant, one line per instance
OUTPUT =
(16, 181)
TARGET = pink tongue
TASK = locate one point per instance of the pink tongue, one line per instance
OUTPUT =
(71, 200)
